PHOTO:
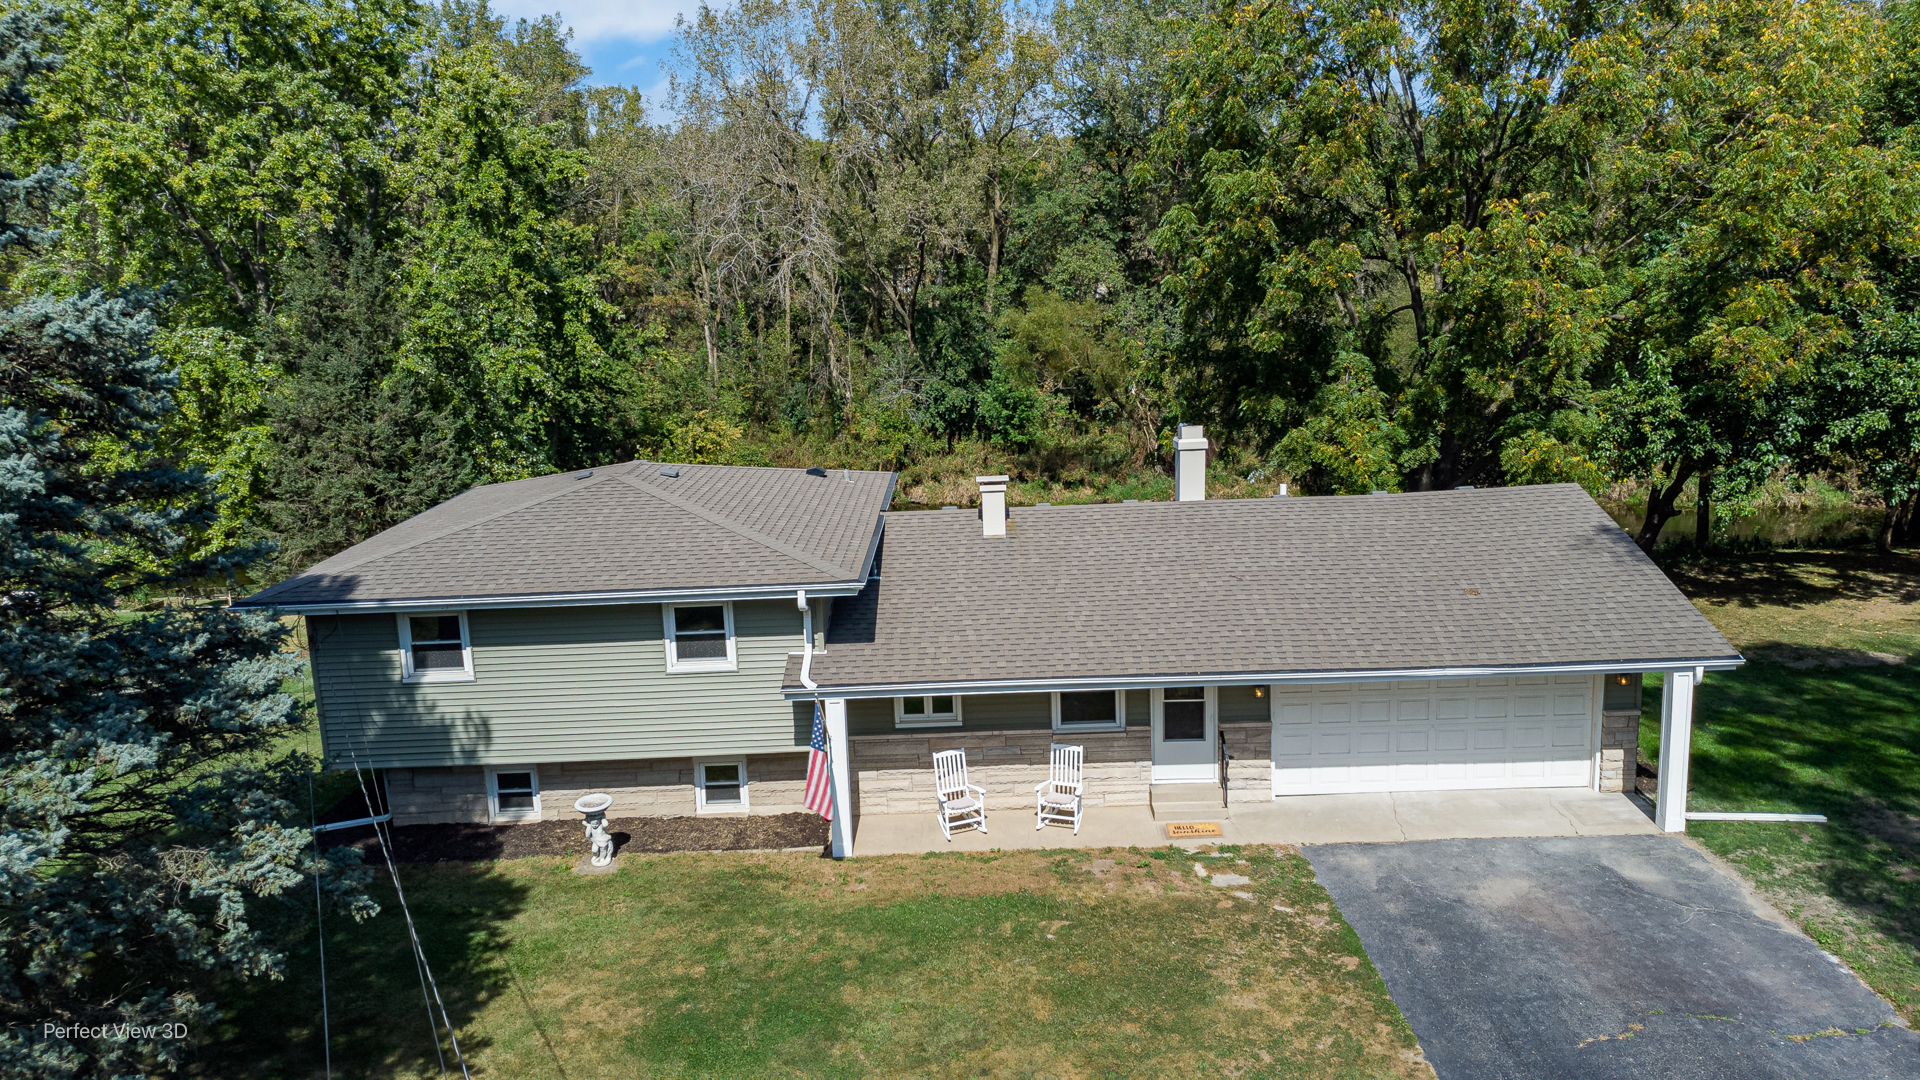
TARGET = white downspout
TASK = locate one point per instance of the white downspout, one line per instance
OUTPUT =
(806, 630)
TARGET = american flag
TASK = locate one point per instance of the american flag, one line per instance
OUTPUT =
(819, 780)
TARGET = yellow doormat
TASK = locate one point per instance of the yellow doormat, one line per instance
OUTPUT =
(1191, 830)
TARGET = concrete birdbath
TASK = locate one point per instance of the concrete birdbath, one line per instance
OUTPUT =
(595, 808)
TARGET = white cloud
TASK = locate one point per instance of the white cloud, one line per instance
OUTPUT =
(596, 21)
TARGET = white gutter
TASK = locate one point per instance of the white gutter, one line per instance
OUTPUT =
(480, 603)
(806, 630)
(1130, 682)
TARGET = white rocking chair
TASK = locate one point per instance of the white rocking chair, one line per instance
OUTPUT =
(1060, 794)
(961, 803)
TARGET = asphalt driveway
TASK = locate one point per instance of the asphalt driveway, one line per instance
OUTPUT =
(1603, 957)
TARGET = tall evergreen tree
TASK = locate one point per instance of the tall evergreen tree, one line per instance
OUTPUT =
(359, 448)
(148, 842)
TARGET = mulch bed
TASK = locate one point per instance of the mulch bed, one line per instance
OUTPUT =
(483, 843)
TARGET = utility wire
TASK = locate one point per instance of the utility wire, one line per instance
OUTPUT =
(419, 953)
(383, 833)
(319, 924)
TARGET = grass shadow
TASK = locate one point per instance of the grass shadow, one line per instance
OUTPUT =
(1797, 579)
(378, 1015)
(1842, 741)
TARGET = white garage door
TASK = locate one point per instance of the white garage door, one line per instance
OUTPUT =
(1433, 735)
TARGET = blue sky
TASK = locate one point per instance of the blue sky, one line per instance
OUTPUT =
(624, 42)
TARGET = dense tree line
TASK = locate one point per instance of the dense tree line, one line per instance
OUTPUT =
(405, 249)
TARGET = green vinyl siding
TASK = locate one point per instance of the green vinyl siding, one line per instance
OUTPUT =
(1007, 712)
(1238, 705)
(870, 716)
(555, 684)
(978, 712)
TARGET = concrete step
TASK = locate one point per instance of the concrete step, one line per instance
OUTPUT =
(1187, 802)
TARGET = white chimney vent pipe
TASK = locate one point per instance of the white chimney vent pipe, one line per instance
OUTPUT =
(1190, 464)
(993, 505)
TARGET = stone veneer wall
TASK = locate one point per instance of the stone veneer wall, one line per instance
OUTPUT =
(1619, 749)
(893, 774)
(1250, 773)
(776, 784)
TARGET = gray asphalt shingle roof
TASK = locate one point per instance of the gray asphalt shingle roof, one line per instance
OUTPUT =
(625, 528)
(1494, 577)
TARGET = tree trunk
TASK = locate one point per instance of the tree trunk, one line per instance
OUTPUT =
(993, 244)
(1660, 507)
(1895, 526)
(1703, 512)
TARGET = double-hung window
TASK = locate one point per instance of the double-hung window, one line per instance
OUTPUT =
(513, 794)
(435, 648)
(700, 637)
(720, 787)
(929, 710)
(1090, 710)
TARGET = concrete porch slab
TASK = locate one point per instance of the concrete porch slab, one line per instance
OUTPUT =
(1295, 819)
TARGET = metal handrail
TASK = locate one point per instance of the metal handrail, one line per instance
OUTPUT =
(1221, 763)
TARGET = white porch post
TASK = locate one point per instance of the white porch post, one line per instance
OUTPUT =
(1676, 749)
(836, 718)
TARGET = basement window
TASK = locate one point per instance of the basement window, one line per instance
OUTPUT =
(720, 787)
(435, 648)
(928, 710)
(700, 637)
(513, 794)
(1090, 710)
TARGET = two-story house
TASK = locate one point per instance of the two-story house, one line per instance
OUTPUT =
(664, 633)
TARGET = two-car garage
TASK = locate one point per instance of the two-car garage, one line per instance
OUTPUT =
(1434, 734)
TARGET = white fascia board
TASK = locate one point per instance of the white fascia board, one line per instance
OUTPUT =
(642, 596)
(873, 544)
(1141, 682)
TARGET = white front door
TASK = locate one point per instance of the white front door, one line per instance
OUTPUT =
(1183, 736)
(1434, 735)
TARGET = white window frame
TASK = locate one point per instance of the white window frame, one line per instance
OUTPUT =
(668, 633)
(407, 674)
(928, 719)
(700, 787)
(494, 813)
(1119, 714)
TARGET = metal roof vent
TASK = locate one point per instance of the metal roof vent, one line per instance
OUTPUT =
(670, 472)
(584, 475)
(816, 471)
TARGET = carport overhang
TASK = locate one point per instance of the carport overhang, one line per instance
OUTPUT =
(1680, 676)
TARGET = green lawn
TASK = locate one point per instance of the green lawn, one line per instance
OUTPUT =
(1062, 963)
(1825, 718)
(765, 965)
